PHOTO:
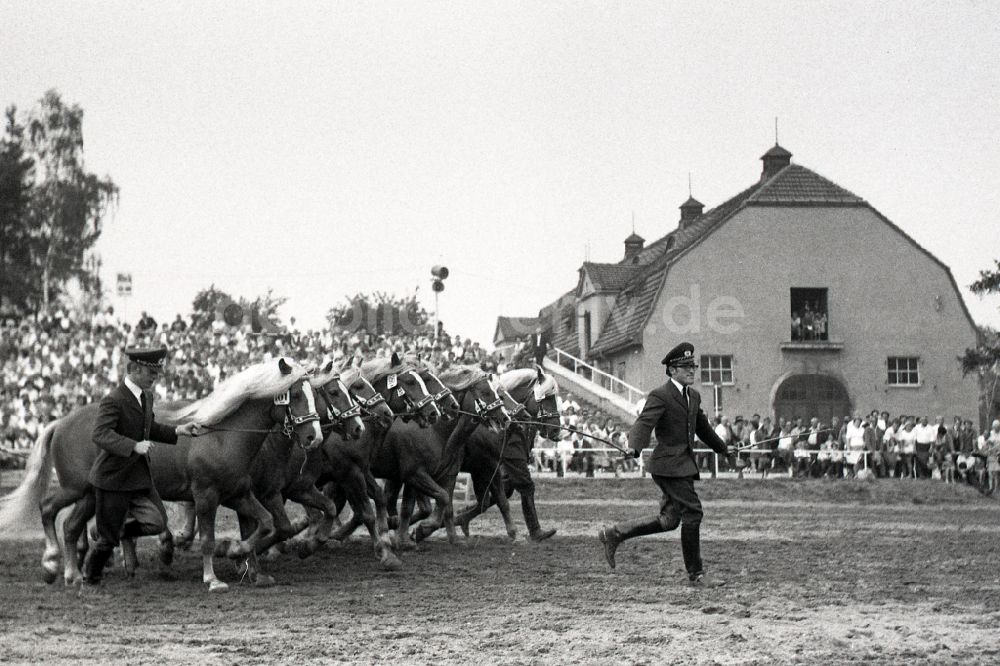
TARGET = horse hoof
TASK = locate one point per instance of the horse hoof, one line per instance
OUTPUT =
(183, 541)
(512, 535)
(390, 562)
(222, 547)
(272, 554)
(217, 586)
(465, 529)
(418, 535)
(263, 580)
(167, 557)
(49, 576)
(306, 548)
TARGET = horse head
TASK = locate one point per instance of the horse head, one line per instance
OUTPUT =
(343, 413)
(488, 404)
(443, 395)
(373, 405)
(296, 409)
(403, 389)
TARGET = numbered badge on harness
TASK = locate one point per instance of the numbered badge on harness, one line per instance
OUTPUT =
(390, 381)
(283, 398)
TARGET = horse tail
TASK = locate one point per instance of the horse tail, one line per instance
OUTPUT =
(19, 509)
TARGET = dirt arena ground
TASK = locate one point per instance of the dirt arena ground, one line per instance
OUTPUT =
(817, 572)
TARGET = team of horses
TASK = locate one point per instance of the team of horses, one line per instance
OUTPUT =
(320, 437)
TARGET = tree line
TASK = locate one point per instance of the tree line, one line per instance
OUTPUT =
(51, 208)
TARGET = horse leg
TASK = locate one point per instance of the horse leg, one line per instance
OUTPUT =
(75, 540)
(257, 577)
(405, 510)
(130, 561)
(356, 489)
(422, 482)
(377, 495)
(50, 506)
(500, 495)
(391, 495)
(248, 505)
(206, 506)
(283, 529)
(484, 500)
(184, 538)
(313, 499)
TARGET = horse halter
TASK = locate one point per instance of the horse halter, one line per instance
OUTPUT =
(336, 416)
(413, 407)
(292, 421)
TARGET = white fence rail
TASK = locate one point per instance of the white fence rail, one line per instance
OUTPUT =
(599, 377)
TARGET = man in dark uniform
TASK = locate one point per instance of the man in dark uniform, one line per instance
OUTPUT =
(127, 503)
(674, 412)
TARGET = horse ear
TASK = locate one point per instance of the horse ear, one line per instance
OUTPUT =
(395, 359)
(284, 367)
(328, 367)
(541, 375)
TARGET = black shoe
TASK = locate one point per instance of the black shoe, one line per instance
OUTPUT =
(542, 535)
(701, 580)
(610, 538)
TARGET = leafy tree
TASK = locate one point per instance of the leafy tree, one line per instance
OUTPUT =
(984, 359)
(17, 289)
(68, 204)
(379, 313)
(260, 313)
(207, 305)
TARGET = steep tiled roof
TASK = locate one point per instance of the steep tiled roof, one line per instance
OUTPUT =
(634, 305)
(559, 319)
(796, 184)
(610, 277)
(511, 328)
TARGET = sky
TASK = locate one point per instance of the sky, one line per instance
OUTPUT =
(322, 149)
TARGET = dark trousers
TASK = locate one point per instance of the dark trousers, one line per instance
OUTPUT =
(679, 503)
(128, 514)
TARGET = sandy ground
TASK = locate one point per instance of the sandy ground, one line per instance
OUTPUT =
(817, 572)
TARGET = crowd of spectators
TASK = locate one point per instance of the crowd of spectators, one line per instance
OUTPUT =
(874, 444)
(55, 363)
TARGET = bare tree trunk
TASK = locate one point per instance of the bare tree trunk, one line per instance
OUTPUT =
(45, 280)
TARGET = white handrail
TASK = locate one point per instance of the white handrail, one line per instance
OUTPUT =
(615, 385)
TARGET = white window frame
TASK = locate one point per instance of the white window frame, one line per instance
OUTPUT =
(916, 367)
(709, 367)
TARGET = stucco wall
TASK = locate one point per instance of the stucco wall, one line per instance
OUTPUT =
(886, 298)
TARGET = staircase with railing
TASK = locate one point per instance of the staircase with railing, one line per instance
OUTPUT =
(603, 389)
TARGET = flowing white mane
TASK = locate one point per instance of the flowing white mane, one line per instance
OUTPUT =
(413, 359)
(350, 375)
(528, 377)
(377, 368)
(461, 377)
(258, 381)
(320, 378)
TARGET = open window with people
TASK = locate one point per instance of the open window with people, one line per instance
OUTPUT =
(810, 320)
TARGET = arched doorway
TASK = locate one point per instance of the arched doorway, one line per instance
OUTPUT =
(806, 396)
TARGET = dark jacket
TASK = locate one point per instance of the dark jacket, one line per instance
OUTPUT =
(120, 424)
(675, 423)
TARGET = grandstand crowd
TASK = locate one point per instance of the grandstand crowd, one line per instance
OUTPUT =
(56, 363)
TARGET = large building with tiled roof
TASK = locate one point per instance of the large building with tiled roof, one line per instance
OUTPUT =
(801, 300)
